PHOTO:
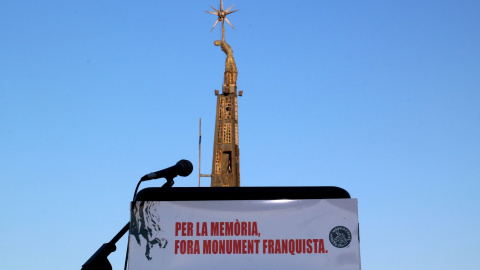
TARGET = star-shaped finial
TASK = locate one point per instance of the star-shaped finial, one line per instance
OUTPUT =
(222, 14)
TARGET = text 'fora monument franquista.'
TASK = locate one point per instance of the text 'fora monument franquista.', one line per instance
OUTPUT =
(226, 154)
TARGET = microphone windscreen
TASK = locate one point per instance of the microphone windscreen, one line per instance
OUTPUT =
(186, 167)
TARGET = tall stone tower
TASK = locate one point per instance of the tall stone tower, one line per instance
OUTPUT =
(226, 154)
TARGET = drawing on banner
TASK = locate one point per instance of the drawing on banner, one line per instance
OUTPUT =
(145, 223)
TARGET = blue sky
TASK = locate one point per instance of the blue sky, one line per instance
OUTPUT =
(380, 98)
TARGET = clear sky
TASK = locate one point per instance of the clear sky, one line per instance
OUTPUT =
(381, 98)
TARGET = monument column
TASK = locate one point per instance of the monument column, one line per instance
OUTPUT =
(226, 153)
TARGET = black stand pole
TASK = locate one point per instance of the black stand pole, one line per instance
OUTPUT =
(99, 260)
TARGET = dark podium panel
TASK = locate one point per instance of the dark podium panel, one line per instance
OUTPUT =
(240, 193)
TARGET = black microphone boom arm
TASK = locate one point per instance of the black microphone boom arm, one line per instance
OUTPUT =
(99, 260)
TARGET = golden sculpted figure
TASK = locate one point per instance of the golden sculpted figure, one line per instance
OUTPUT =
(230, 77)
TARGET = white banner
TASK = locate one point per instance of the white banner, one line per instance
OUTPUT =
(252, 234)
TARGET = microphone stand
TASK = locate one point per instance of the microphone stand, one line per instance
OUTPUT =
(99, 260)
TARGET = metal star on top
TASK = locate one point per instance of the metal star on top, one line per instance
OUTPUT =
(222, 14)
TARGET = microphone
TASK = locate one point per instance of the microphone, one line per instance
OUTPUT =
(182, 168)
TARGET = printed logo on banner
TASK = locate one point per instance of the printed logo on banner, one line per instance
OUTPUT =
(340, 237)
